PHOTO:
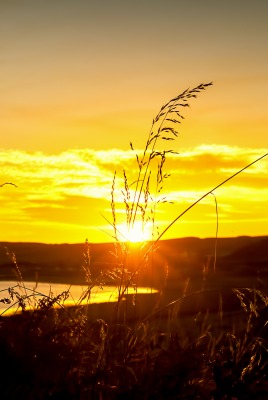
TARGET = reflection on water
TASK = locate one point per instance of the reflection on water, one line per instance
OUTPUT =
(34, 292)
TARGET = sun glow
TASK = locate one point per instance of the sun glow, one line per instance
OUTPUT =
(135, 234)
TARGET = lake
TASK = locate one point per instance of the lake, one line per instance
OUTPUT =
(37, 291)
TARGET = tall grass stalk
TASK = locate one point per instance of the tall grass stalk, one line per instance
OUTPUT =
(142, 205)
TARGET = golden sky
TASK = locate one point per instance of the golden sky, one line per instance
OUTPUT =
(80, 80)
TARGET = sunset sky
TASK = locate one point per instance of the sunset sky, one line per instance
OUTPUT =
(81, 79)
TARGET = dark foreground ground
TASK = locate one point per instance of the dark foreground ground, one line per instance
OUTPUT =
(202, 336)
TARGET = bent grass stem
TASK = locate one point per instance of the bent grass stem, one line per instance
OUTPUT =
(151, 248)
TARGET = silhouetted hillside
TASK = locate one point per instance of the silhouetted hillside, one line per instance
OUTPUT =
(175, 261)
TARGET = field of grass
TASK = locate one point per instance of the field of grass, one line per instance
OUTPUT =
(201, 335)
(184, 342)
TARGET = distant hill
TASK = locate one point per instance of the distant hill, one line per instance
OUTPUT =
(60, 263)
(174, 261)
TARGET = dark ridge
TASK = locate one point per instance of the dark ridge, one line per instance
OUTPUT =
(185, 259)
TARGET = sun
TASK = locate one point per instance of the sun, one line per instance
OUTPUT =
(136, 234)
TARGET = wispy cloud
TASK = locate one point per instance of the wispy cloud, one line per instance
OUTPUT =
(72, 189)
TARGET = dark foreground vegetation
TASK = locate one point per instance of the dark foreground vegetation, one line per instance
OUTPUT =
(197, 338)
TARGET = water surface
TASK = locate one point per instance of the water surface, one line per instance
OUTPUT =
(35, 291)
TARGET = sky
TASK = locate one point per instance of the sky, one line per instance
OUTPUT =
(81, 79)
